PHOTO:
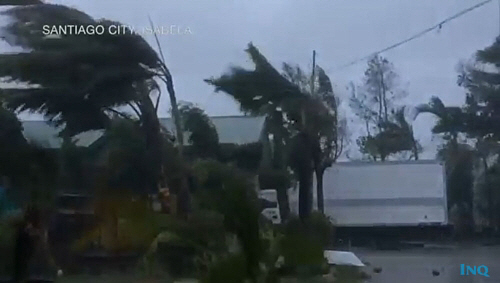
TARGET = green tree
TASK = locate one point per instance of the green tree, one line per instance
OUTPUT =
(203, 136)
(31, 169)
(13, 147)
(293, 118)
(78, 81)
(230, 191)
(387, 131)
(481, 80)
(457, 155)
(265, 92)
(325, 124)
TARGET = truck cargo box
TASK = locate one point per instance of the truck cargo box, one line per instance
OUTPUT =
(392, 193)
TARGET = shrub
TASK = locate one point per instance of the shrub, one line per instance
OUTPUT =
(230, 192)
(7, 242)
(125, 225)
(321, 228)
(303, 244)
(231, 268)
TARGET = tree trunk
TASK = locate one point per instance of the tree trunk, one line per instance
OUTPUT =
(279, 163)
(151, 126)
(382, 157)
(169, 83)
(319, 190)
(184, 198)
(283, 203)
(305, 187)
(384, 96)
(415, 148)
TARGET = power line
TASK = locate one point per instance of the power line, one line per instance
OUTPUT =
(437, 26)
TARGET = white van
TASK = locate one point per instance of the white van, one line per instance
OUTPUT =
(270, 206)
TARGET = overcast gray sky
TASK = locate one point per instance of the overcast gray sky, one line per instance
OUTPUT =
(288, 30)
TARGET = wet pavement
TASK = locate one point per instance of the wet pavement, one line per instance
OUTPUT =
(437, 265)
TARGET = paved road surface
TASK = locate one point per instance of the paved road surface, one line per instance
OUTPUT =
(416, 266)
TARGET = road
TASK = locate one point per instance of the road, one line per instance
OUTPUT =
(417, 265)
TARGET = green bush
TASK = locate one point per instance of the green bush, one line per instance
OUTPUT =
(303, 244)
(321, 228)
(301, 250)
(231, 268)
(7, 243)
(230, 192)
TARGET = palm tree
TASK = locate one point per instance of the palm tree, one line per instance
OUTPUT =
(322, 118)
(458, 157)
(77, 82)
(264, 92)
(293, 117)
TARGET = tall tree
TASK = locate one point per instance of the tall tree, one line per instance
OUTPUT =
(373, 103)
(266, 92)
(325, 123)
(77, 81)
(481, 79)
(457, 155)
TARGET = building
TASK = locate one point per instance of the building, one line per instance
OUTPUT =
(231, 129)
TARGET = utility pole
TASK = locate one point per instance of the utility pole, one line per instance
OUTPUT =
(314, 70)
(313, 80)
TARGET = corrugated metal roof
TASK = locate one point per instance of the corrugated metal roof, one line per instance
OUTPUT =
(231, 129)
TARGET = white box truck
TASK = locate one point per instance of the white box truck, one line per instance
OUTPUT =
(403, 200)
(393, 193)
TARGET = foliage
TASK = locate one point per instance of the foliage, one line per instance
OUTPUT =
(387, 131)
(265, 92)
(124, 155)
(450, 118)
(231, 268)
(248, 156)
(318, 226)
(78, 81)
(320, 119)
(7, 243)
(27, 165)
(203, 234)
(480, 118)
(458, 157)
(79, 76)
(481, 105)
(297, 120)
(124, 224)
(13, 146)
(303, 243)
(230, 192)
(203, 135)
